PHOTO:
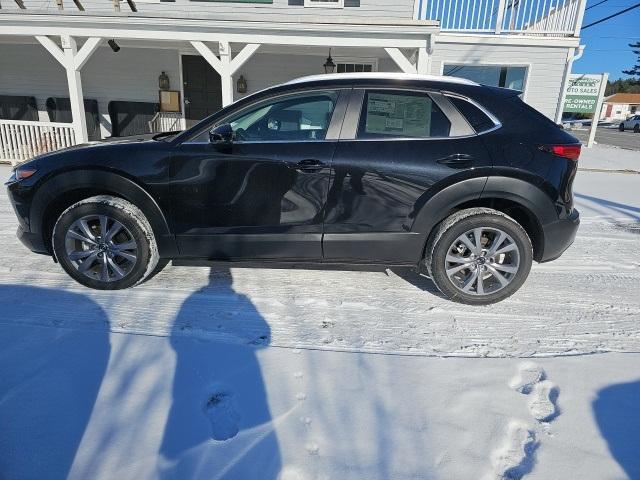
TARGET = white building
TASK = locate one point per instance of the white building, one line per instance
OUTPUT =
(57, 64)
(620, 106)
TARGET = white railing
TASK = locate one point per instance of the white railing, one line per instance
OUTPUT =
(21, 140)
(534, 17)
(165, 122)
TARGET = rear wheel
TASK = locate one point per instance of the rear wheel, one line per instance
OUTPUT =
(105, 243)
(636, 128)
(479, 256)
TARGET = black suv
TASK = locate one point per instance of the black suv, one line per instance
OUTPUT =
(464, 181)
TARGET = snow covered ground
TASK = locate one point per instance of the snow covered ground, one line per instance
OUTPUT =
(323, 374)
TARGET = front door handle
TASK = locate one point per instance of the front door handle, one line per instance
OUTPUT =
(307, 166)
(457, 160)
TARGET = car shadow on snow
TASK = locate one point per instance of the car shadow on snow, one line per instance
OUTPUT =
(613, 209)
(50, 378)
(219, 424)
(617, 412)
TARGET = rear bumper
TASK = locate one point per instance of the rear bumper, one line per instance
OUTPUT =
(558, 236)
(32, 241)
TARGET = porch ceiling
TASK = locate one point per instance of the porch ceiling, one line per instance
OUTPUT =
(342, 32)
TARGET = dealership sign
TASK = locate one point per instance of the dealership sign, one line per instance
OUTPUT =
(582, 93)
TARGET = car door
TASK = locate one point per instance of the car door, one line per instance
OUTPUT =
(397, 147)
(261, 195)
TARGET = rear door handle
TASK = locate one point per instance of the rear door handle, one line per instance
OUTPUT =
(457, 160)
(307, 166)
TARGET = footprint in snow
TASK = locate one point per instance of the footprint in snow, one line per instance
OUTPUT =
(531, 380)
(312, 448)
(516, 457)
(528, 375)
(222, 414)
(543, 397)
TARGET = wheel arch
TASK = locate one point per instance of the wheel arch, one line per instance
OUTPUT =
(64, 189)
(524, 202)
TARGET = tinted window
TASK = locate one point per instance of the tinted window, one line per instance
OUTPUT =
(476, 117)
(401, 114)
(295, 117)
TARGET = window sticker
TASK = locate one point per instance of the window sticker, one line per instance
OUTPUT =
(399, 115)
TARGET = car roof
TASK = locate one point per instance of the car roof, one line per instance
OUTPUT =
(355, 77)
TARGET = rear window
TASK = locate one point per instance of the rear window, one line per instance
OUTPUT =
(479, 120)
(402, 115)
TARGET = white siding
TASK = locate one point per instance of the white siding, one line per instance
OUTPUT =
(131, 74)
(252, 11)
(265, 70)
(545, 67)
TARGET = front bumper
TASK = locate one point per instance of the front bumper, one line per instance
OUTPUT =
(32, 241)
(558, 236)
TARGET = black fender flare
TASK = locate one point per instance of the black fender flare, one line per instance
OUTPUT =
(102, 181)
(440, 205)
(524, 193)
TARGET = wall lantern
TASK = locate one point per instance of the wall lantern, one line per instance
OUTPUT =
(241, 84)
(163, 81)
(329, 66)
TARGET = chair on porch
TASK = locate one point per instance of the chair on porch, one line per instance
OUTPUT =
(16, 107)
(131, 118)
(59, 110)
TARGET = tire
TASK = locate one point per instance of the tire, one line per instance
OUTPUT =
(636, 128)
(512, 262)
(105, 243)
(621, 127)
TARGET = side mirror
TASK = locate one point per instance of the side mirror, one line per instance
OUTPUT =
(221, 135)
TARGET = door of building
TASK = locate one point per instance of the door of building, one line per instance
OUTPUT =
(202, 89)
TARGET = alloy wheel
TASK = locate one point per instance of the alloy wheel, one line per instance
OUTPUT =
(482, 261)
(101, 248)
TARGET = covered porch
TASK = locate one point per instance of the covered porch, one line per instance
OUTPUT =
(89, 78)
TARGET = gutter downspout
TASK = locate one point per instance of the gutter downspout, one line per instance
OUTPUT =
(572, 56)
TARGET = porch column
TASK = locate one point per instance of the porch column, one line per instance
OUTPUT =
(76, 96)
(225, 65)
(423, 65)
(73, 60)
(227, 78)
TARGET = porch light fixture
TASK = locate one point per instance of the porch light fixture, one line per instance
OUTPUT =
(241, 84)
(114, 46)
(163, 81)
(329, 66)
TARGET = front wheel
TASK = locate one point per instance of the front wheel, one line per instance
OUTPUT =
(105, 242)
(479, 256)
(621, 127)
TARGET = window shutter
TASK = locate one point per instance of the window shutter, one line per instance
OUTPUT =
(297, 3)
(351, 3)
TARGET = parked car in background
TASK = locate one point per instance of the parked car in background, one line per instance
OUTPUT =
(399, 170)
(631, 123)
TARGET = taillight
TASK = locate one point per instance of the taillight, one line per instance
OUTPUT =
(570, 152)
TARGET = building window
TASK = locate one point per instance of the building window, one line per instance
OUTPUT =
(324, 3)
(355, 66)
(493, 75)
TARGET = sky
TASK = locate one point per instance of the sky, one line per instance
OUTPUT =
(607, 43)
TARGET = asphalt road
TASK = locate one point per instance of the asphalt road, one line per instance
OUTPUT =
(611, 136)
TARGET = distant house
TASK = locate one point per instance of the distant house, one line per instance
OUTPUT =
(78, 70)
(620, 106)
